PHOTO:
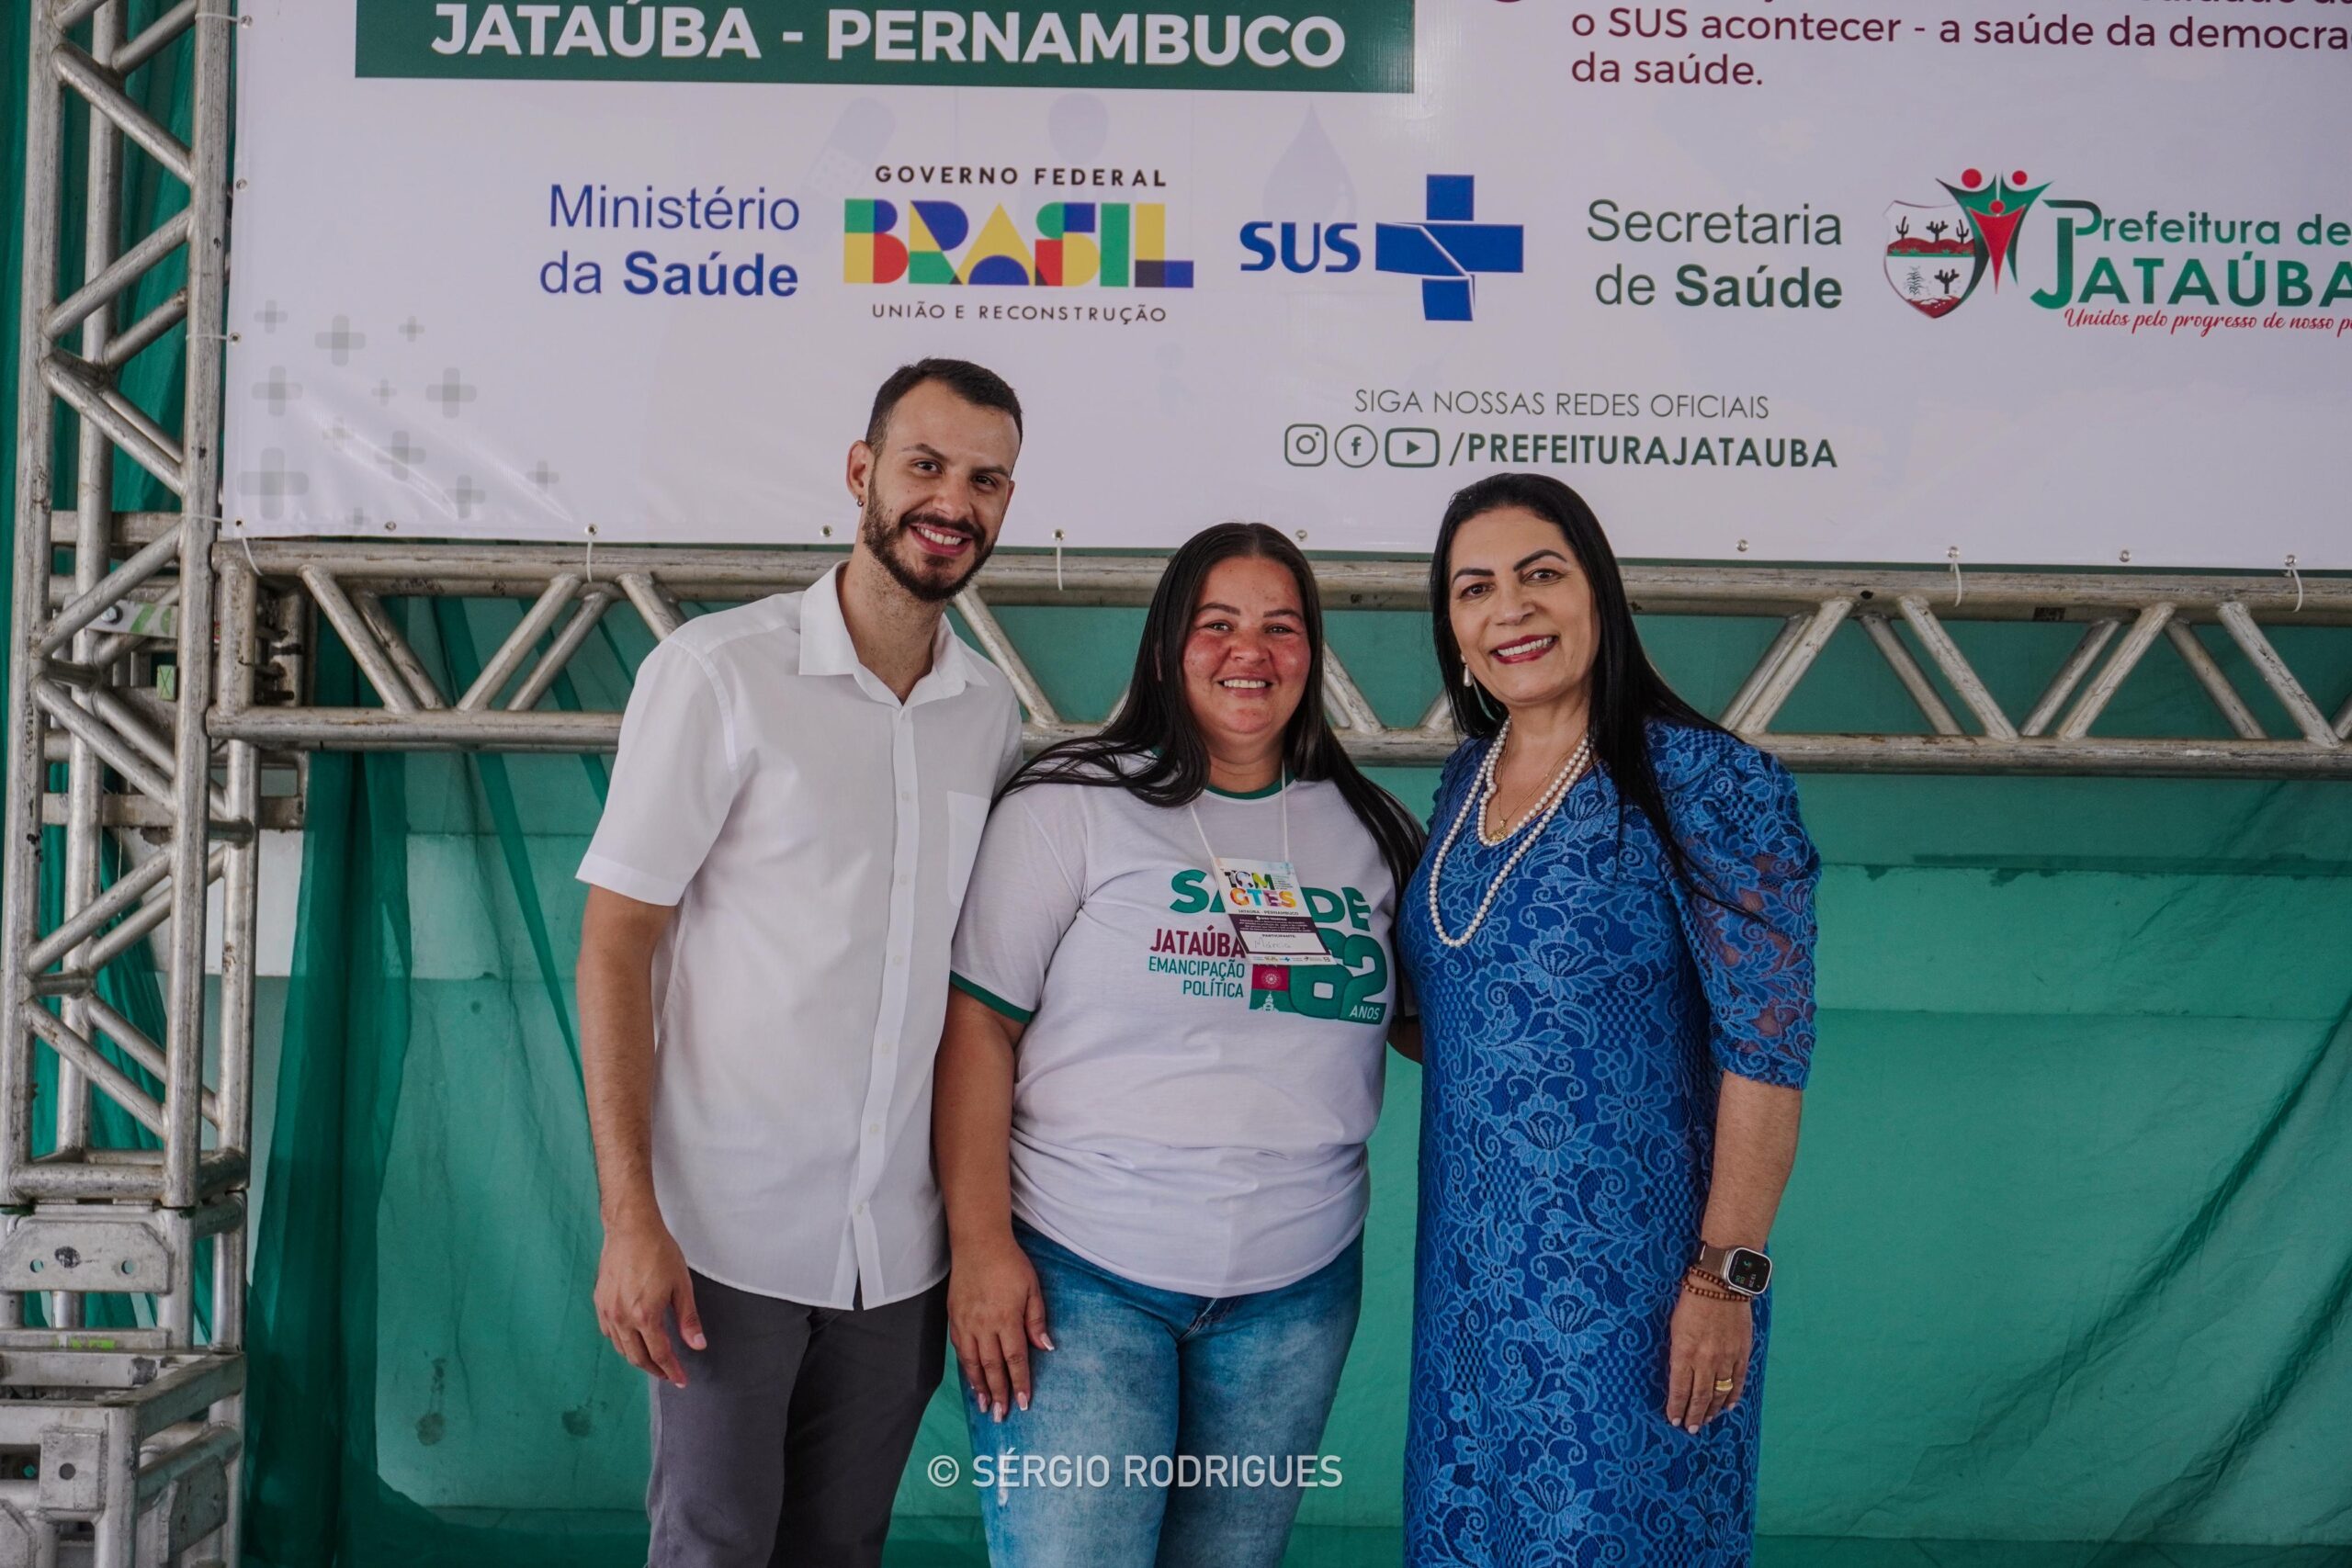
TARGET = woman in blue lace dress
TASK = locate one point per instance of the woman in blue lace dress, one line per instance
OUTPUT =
(1612, 941)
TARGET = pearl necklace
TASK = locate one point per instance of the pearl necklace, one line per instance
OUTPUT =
(1481, 790)
(1488, 785)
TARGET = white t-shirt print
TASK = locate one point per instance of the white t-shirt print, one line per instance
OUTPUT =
(1181, 1117)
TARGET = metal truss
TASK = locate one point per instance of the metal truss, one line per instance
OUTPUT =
(1963, 729)
(121, 1445)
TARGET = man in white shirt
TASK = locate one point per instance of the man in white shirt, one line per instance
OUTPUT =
(793, 815)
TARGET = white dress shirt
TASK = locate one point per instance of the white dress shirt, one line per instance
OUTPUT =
(815, 835)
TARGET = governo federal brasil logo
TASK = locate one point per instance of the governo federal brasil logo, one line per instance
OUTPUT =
(1936, 252)
(1073, 245)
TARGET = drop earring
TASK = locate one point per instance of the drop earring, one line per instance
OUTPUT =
(1467, 682)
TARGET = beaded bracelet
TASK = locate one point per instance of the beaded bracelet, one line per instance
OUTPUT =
(1704, 1284)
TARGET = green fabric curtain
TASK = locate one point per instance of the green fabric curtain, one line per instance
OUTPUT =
(2062, 1260)
(426, 1184)
(2064, 1265)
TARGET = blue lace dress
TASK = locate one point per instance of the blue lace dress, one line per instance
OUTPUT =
(1572, 1057)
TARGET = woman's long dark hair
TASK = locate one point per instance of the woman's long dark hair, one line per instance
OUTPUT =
(1627, 695)
(1152, 746)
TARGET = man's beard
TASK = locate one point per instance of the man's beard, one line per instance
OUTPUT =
(880, 535)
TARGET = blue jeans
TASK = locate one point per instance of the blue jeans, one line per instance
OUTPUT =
(1116, 1461)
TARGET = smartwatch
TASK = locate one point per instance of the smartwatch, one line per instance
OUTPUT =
(1743, 1269)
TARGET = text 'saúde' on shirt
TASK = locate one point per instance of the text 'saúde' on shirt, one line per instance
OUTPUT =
(815, 835)
(1182, 1117)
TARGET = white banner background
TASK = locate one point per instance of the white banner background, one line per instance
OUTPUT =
(398, 366)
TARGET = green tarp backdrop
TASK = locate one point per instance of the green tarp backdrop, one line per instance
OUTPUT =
(2065, 1262)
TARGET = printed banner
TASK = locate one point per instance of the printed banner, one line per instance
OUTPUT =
(1766, 282)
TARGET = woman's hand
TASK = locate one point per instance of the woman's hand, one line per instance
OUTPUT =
(1756, 1141)
(995, 1313)
(1709, 1343)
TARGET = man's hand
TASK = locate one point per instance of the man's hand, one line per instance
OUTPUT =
(641, 1279)
(995, 1312)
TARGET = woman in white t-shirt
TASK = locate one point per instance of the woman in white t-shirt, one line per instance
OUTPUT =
(1150, 1113)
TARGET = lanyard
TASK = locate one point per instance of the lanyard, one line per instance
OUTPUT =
(1266, 906)
(1208, 849)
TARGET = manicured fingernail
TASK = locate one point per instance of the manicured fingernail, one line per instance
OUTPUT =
(1024, 1402)
(1048, 1340)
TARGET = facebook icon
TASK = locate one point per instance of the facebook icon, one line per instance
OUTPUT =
(1355, 445)
(1448, 250)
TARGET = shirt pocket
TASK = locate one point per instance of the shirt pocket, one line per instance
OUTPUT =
(968, 815)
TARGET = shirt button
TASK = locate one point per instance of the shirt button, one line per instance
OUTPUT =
(874, 1129)
(860, 1208)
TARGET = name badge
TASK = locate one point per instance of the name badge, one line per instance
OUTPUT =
(1267, 909)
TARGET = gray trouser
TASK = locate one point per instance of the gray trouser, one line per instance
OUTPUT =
(785, 1447)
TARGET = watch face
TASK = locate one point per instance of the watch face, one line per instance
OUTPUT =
(1749, 1271)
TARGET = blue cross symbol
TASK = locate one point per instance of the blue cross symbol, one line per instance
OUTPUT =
(1447, 251)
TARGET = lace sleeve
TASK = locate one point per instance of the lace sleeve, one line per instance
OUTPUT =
(1749, 928)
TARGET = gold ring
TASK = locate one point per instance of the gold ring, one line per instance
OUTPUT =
(1722, 1385)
